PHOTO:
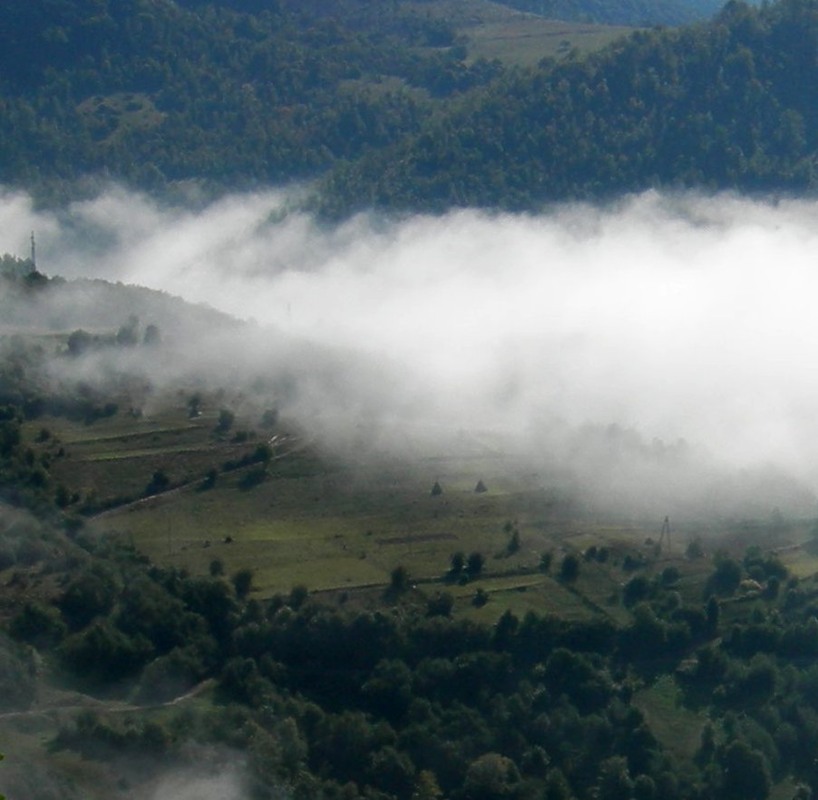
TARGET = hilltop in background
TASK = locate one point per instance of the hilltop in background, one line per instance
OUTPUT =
(427, 106)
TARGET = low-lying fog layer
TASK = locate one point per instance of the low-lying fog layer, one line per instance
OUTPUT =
(672, 318)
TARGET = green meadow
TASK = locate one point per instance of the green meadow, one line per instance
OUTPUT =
(336, 525)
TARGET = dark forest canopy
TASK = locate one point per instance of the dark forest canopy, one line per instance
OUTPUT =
(152, 92)
(729, 104)
(389, 108)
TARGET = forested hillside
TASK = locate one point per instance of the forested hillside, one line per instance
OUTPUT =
(731, 104)
(152, 91)
(394, 108)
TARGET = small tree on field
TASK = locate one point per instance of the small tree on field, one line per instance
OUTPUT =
(695, 549)
(474, 564)
(194, 406)
(243, 582)
(226, 420)
(569, 570)
(513, 543)
(159, 483)
(152, 336)
(399, 580)
(298, 596)
(440, 605)
(726, 577)
(127, 335)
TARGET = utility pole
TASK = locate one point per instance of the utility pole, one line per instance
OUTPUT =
(665, 534)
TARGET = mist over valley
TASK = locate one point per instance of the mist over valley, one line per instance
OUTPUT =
(657, 348)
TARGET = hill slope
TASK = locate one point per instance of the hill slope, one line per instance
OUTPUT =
(151, 91)
(731, 104)
(157, 93)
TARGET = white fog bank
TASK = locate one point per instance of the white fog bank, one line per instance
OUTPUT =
(680, 317)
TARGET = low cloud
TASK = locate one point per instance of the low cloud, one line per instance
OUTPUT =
(664, 338)
(202, 783)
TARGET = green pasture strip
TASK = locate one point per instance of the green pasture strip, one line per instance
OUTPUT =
(35, 767)
(693, 579)
(518, 595)
(89, 436)
(129, 476)
(497, 583)
(785, 790)
(599, 585)
(524, 40)
(355, 523)
(318, 574)
(277, 565)
(801, 563)
(124, 455)
(295, 516)
(118, 426)
(678, 728)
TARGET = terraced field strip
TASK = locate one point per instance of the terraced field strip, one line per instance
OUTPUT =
(76, 436)
(123, 455)
(530, 39)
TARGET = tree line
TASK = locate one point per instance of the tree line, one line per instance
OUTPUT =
(389, 109)
(232, 94)
(411, 702)
(724, 104)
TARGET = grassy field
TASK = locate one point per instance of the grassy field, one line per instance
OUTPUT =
(527, 41)
(678, 728)
(342, 525)
(325, 524)
(492, 30)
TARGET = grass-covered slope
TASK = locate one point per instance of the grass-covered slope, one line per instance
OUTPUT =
(620, 12)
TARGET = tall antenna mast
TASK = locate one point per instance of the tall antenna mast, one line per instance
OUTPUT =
(33, 252)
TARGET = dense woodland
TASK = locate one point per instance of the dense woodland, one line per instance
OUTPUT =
(728, 104)
(406, 702)
(390, 110)
(153, 92)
